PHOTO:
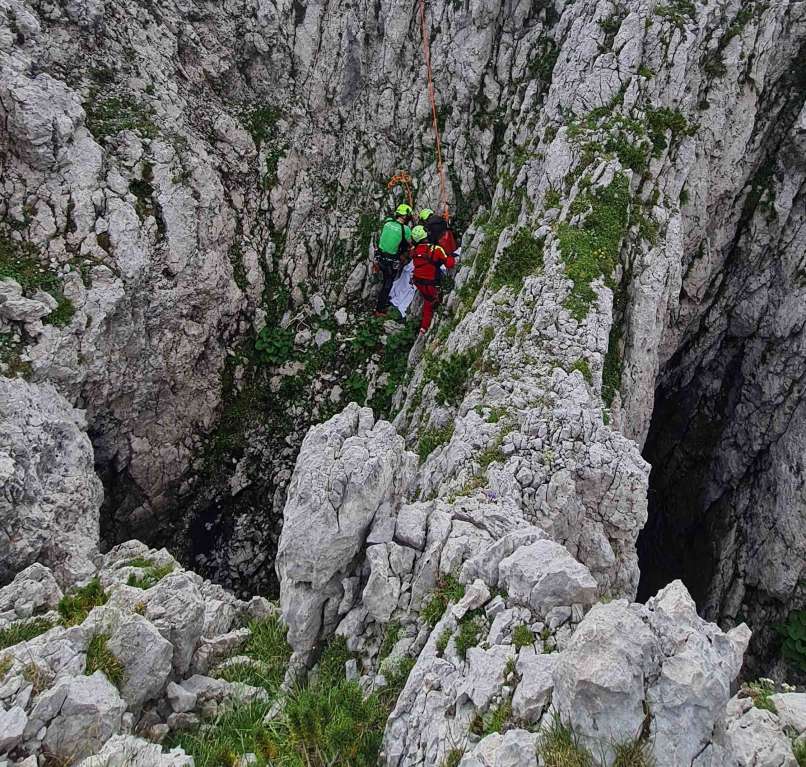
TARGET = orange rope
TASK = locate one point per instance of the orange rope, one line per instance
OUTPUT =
(443, 187)
(404, 179)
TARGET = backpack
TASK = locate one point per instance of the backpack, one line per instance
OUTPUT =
(402, 247)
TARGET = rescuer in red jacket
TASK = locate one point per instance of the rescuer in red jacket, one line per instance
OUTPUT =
(427, 275)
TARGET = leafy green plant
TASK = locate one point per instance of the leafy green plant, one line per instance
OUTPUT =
(275, 345)
(152, 574)
(366, 338)
(355, 388)
(759, 692)
(521, 258)
(663, 120)
(76, 606)
(794, 645)
(431, 439)
(448, 590)
(101, 658)
(559, 746)
(522, 636)
(22, 631)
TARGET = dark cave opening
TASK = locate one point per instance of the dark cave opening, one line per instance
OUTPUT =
(687, 517)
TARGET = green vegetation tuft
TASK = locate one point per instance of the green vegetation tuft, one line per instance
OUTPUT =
(109, 116)
(101, 658)
(793, 648)
(448, 590)
(270, 652)
(138, 562)
(275, 345)
(522, 636)
(6, 662)
(452, 373)
(356, 387)
(760, 693)
(453, 757)
(798, 749)
(591, 249)
(583, 367)
(152, 574)
(559, 746)
(662, 121)
(633, 753)
(76, 606)
(22, 631)
(499, 719)
(442, 641)
(261, 122)
(677, 11)
(394, 363)
(431, 439)
(469, 633)
(390, 638)
(520, 259)
(20, 261)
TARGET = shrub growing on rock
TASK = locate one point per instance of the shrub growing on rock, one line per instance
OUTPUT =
(76, 606)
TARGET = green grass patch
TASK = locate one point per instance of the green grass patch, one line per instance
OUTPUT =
(390, 638)
(453, 757)
(268, 648)
(113, 114)
(20, 261)
(469, 633)
(138, 562)
(522, 636)
(583, 367)
(448, 590)
(22, 631)
(431, 439)
(799, 750)
(76, 606)
(591, 250)
(442, 641)
(633, 753)
(559, 746)
(520, 259)
(497, 720)
(152, 574)
(6, 662)
(101, 658)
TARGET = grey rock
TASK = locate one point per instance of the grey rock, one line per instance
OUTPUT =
(543, 575)
(33, 591)
(791, 709)
(181, 700)
(49, 510)
(533, 693)
(476, 595)
(77, 716)
(12, 728)
(756, 739)
(131, 751)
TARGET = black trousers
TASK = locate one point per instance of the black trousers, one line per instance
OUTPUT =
(389, 271)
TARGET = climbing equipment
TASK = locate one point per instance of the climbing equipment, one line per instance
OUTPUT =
(403, 179)
(393, 241)
(443, 187)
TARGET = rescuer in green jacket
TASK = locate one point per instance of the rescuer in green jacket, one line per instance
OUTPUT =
(393, 243)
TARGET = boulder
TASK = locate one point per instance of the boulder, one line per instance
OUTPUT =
(32, 592)
(515, 748)
(131, 751)
(542, 575)
(756, 739)
(76, 716)
(49, 507)
(533, 693)
(12, 728)
(791, 709)
(485, 673)
(351, 475)
(181, 699)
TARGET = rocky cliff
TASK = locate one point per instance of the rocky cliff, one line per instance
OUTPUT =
(612, 398)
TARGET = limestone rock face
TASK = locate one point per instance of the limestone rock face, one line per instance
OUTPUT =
(49, 505)
(352, 474)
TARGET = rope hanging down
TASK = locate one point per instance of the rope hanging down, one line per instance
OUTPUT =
(443, 187)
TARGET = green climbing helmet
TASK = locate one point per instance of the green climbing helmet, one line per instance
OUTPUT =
(425, 214)
(418, 234)
(403, 210)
